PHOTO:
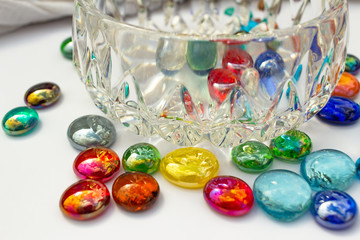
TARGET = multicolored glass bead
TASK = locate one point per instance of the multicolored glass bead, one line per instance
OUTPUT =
(135, 191)
(97, 163)
(66, 48)
(282, 194)
(347, 87)
(141, 157)
(85, 200)
(91, 131)
(252, 157)
(341, 111)
(201, 56)
(229, 195)
(220, 83)
(328, 169)
(291, 146)
(189, 167)
(237, 60)
(352, 64)
(42, 95)
(19, 121)
(334, 209)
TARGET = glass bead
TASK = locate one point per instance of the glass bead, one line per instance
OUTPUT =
(291, 146)
(19, 121)
(253, 157)
(352, 64)
(85, 200)
(220, 83)
(334, 209)
(91, 131)
(141, 157)
(340, 111)
(250, 81)
(347, 87)
(170, 55)
(135, 191)
(229, 195)
(66, 48)
(42, 95)
(328, 169)
(97, 163)
(189, 167)
(201, 56)
(282, 194)
(357, 164)
(237, 60)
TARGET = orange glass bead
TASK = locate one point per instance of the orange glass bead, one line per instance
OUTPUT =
(135, 191)
(348, 86)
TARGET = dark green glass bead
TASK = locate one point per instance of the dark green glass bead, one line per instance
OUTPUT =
(141, 157)
(292, 146)
(67, 48)
(252, 157)
(201, 56)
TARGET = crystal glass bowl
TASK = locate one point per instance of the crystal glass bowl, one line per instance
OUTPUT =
(225, 71)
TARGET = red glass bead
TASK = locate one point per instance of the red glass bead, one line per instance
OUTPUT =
(135, 191)
(229, 195)
(220, 83)
(348, 86)
(237, 60)
(85, 199)
(97, 163)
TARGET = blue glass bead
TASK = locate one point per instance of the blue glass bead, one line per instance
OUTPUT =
(340, 111)
(334, 209)
(328, 169)
(357, 165)
(282, 194)
(270, 66)
(352, 64)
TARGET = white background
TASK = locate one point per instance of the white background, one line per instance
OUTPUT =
(37, 168)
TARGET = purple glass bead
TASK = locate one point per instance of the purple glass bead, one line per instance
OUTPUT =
(334, 209)
(340, 111)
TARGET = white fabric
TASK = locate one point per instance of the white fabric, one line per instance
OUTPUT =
(16, 13)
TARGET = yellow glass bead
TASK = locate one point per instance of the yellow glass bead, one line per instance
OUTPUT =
(189, 167)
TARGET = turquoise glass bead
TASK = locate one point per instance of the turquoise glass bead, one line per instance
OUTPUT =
(282, 194)
(328, 169)
(19, 121)
(201, 56)
(252, 157)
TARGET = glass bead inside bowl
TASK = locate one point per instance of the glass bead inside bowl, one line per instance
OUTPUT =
(146, 63)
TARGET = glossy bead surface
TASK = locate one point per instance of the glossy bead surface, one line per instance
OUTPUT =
(42, 95)
(201, 56)
(141, 157)
(291, 146)
(135, 191)
(252, 157)
(189, 167)
(270, 66)
(19, 121)
(85, 199)
(282, 194)
(237, 60)
(347, 87)
(97, 163)
(340, 111)
(220, 83)
(357, 165)
(66, 48)
(328, 169)
(352, 64)
(90, 131)
(229, 195)
(334, 209)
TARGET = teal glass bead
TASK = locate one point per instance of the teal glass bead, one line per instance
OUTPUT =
(201, 56)
(66, 48)
(141, 157)
(328, 169)
(19, 121)
(291, 146)
(357, 164)
(282, 194)
(252, 156)
(352, 64)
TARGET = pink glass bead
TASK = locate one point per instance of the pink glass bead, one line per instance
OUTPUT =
(220, 83)
(85, 199)
(237, 60)
(229, 195)
(97, 163)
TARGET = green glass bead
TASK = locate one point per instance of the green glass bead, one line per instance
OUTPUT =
(293, 146)
(141, 157)
(19, 121)
(67, 48)
(201, 56)
(253, 157)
